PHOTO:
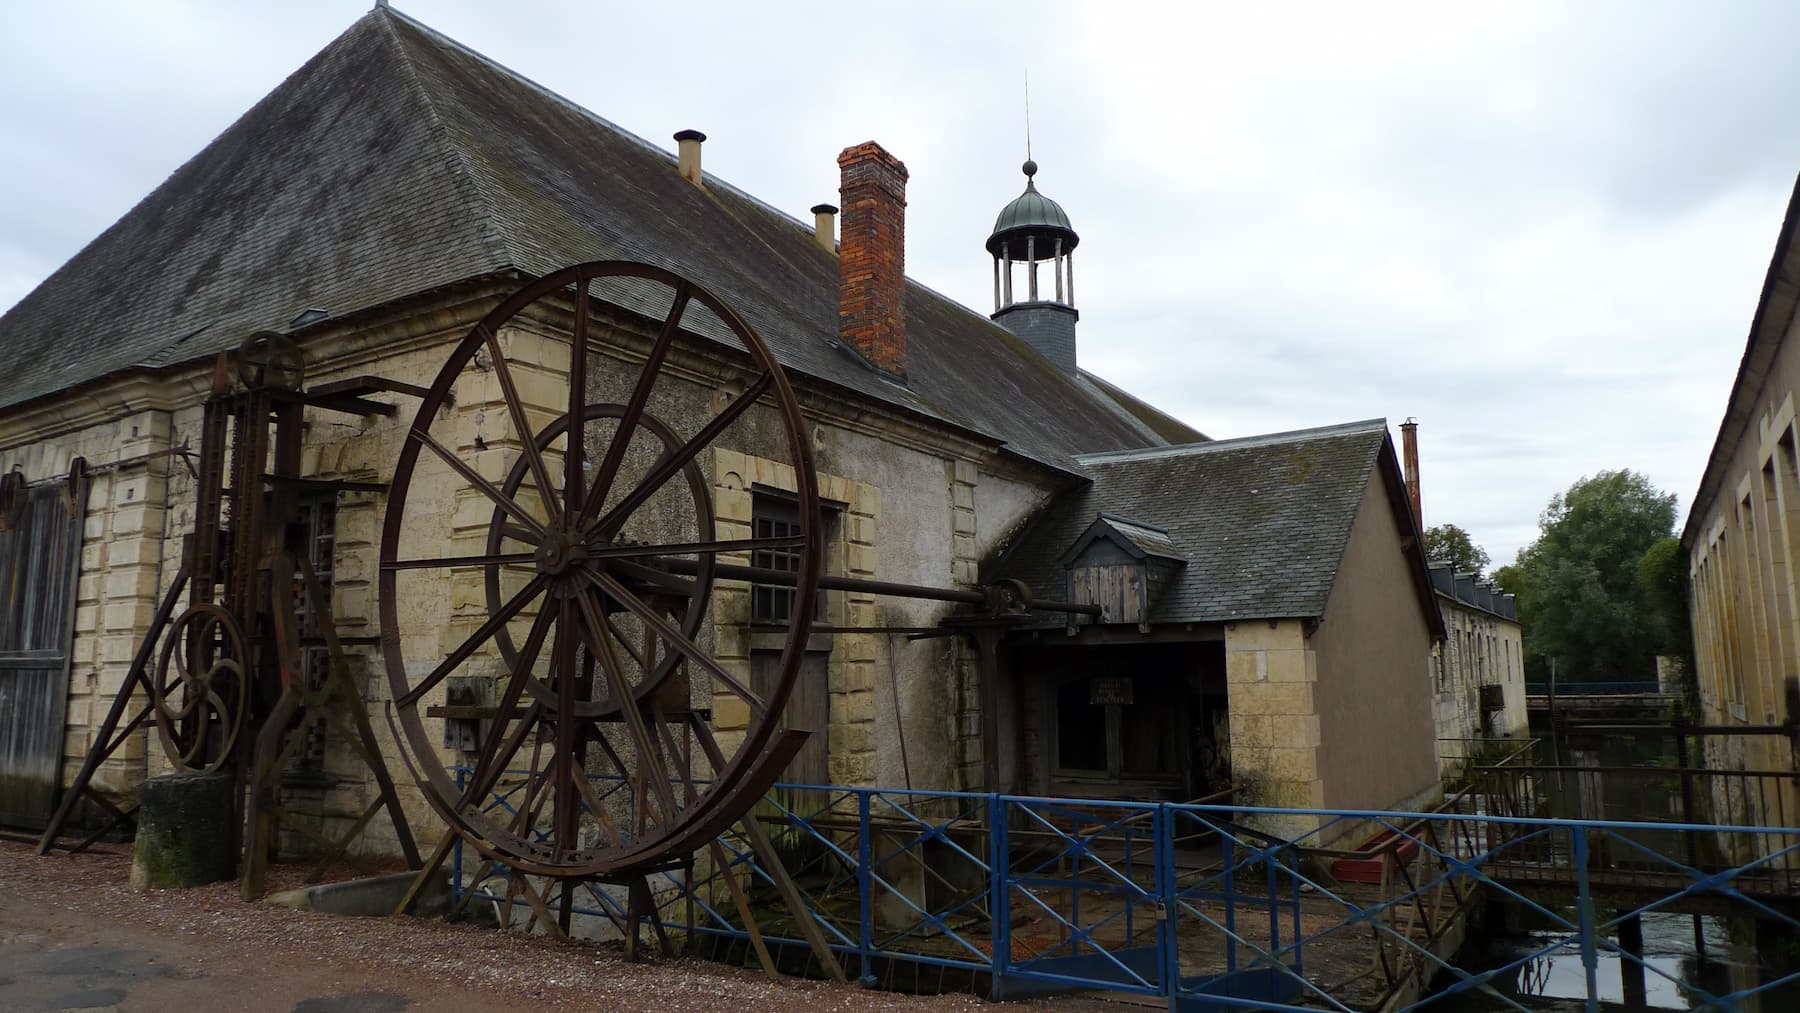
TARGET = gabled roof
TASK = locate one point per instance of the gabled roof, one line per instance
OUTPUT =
(397, 161)
(1263, 521)
(1134, 538)
(1775, 310)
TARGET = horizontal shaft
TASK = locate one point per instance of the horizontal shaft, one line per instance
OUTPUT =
(861, 585)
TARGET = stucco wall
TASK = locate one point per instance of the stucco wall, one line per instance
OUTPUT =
(1376, 737)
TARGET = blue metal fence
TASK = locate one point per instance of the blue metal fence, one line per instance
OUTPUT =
(1207, 907)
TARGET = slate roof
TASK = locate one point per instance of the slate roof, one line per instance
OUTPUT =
(1451, 586)
(1262, 521)
(397, 161)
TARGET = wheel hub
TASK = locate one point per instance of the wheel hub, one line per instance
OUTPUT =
(560, 553)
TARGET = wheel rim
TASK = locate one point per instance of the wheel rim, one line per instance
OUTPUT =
(562, 577)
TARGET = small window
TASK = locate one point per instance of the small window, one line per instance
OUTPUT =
(775, 516)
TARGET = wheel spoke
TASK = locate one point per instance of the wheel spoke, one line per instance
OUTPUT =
(518, 534)
(468, 474)
(648, 755)
(674, 638)
(690, 548)
(563, 768)
(500, 618)
(672, 462)
(521, 426)
(575, 445)
(640, 395)
(502, 559)
(664, 581)
(491, 762)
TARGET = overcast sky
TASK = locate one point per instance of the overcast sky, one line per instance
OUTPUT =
(1541, 229)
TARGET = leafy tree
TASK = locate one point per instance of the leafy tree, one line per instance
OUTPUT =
(1447, 542)
(1582, 600)
(1664, 573)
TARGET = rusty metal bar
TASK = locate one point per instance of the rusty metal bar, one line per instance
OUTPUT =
(862, 585)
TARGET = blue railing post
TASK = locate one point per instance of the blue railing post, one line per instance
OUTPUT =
(998, 870)
(865, 874)
(1228, 860)
(1584, 913)
(1168, 898)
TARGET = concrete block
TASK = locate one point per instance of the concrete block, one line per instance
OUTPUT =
(1290, 666)
(1246, 667)
(1284, 634)
(375, 896)
(1296, 731)
(1300, 765)
(184, 832)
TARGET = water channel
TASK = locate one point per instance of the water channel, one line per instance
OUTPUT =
(1686, 955)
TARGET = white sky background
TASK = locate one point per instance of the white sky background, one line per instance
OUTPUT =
(1539, 228)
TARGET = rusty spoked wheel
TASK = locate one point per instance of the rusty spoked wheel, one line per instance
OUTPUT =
(549, 549)
(198, 694)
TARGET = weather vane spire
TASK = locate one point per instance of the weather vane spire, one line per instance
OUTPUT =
(1027, 114)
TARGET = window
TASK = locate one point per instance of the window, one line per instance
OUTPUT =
(778, 516)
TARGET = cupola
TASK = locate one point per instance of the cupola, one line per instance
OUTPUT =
(1031, 231)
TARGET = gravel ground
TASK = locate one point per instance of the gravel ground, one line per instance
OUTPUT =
(73, 923)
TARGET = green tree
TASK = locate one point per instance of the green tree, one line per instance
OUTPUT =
(1447, 542)
(1582, 600)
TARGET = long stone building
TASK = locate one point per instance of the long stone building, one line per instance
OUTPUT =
(1266, 609)
(1740, 540)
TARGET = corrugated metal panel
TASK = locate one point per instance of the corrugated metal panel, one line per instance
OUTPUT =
(40, 560)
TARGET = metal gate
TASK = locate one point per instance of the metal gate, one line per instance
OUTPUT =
(40, 561)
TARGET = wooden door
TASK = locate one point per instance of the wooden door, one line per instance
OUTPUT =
(40, 560)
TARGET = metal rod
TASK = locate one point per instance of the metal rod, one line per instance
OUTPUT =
(862, 585)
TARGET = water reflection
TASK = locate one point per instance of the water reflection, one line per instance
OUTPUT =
(1675, 976)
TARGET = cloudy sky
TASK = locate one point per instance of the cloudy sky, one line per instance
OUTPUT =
(1539, 228)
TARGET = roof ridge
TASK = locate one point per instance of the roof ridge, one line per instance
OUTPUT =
(1241, 442)
(465, 174)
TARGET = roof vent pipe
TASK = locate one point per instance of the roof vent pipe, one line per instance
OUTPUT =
(688, 155)
(825, 226)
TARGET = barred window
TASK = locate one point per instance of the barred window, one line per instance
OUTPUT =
(774, 516)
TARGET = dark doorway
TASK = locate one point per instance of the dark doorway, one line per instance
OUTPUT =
(1134, 721)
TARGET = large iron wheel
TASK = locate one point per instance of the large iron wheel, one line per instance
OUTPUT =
(595, 568)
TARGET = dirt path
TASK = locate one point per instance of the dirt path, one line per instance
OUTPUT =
(74, 935)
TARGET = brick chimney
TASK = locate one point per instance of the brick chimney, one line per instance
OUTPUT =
(1409, 443)
(872, 256)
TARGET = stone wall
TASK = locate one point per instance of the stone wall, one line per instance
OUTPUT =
(1479, 649)
(1271, 672)
(921, 506)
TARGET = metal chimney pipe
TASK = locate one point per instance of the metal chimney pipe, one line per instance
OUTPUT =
(825, 226)
(1409, 449)
(687, 155)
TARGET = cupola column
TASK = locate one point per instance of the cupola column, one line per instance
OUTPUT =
(1059, 269)
(1031, 263)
